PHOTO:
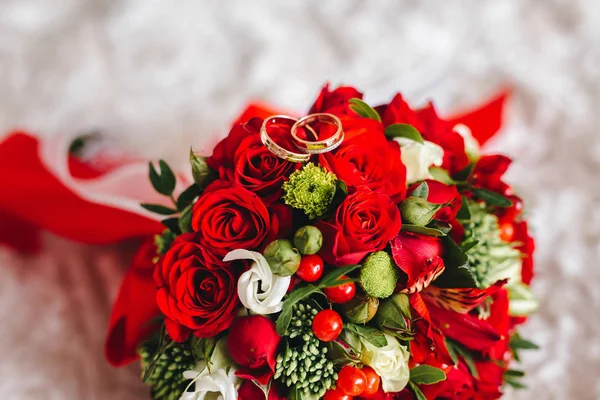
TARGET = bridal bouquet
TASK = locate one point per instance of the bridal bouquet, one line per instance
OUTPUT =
(357, 252)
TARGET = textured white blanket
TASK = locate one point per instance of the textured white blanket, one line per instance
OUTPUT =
(155, 77)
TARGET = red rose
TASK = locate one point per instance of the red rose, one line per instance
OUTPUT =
(336, 101)
(365, 222)
(367, 158)
(252, 343)
(431, 127)
(196, 292)
(224, 152)
(242, 158)
(259, 170)
(229, 217)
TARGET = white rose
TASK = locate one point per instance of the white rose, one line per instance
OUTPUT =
(390, 362)
(417, 158)
(259, 290)
(218, 383)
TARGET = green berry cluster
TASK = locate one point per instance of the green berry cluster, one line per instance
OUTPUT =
(166, 380)
(491, 258)
(304, 365)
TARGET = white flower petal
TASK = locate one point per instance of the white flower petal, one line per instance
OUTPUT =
(390, 362)
(258, 289)
(417, 158)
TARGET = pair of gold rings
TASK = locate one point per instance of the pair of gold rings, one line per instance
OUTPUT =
(306, 147)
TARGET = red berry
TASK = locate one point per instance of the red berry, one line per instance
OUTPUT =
(311, 268)
(351, 381)
(507, 231)
(342, 293)
(336, 394)
(327, 325)
(372, 382)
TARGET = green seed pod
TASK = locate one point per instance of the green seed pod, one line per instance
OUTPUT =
(308, 239)
(379, 275)
(418, 211)
(282, 257)
(361, 309)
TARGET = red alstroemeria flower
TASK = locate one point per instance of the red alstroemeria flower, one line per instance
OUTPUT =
(488, 174)
(419, 257)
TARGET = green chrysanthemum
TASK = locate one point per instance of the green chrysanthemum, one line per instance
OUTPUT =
(378, 275)
(310, 189)
(166, 380)
(492, 259)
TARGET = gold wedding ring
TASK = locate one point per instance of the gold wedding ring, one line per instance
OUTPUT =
(318, 146)
(274, 147)
(306, 147)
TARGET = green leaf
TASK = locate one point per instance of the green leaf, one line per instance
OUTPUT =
(363, 109)
(202, 348)
(370, 334)
(404, 131)
(165, 182)
(284, 319)
(464, 354)
(518, 343)
(185, 220)
(491, 198)
(154, 177)
(468, 245)
(426, 375)
(202, 173)
(464, 213)
(457, 273)
(421, 191)
(167, 178)
(158, 209)
(515, 384)
(333, 278)
(441, 175)
(465, 173)
(187, 196)
(172, 224)
(452, 352)
(514, 373)
(418, 393)
(423, 230)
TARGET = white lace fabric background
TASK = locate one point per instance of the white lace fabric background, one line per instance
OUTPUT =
(154, 77)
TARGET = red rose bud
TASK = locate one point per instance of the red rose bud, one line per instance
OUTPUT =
(252, 343)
